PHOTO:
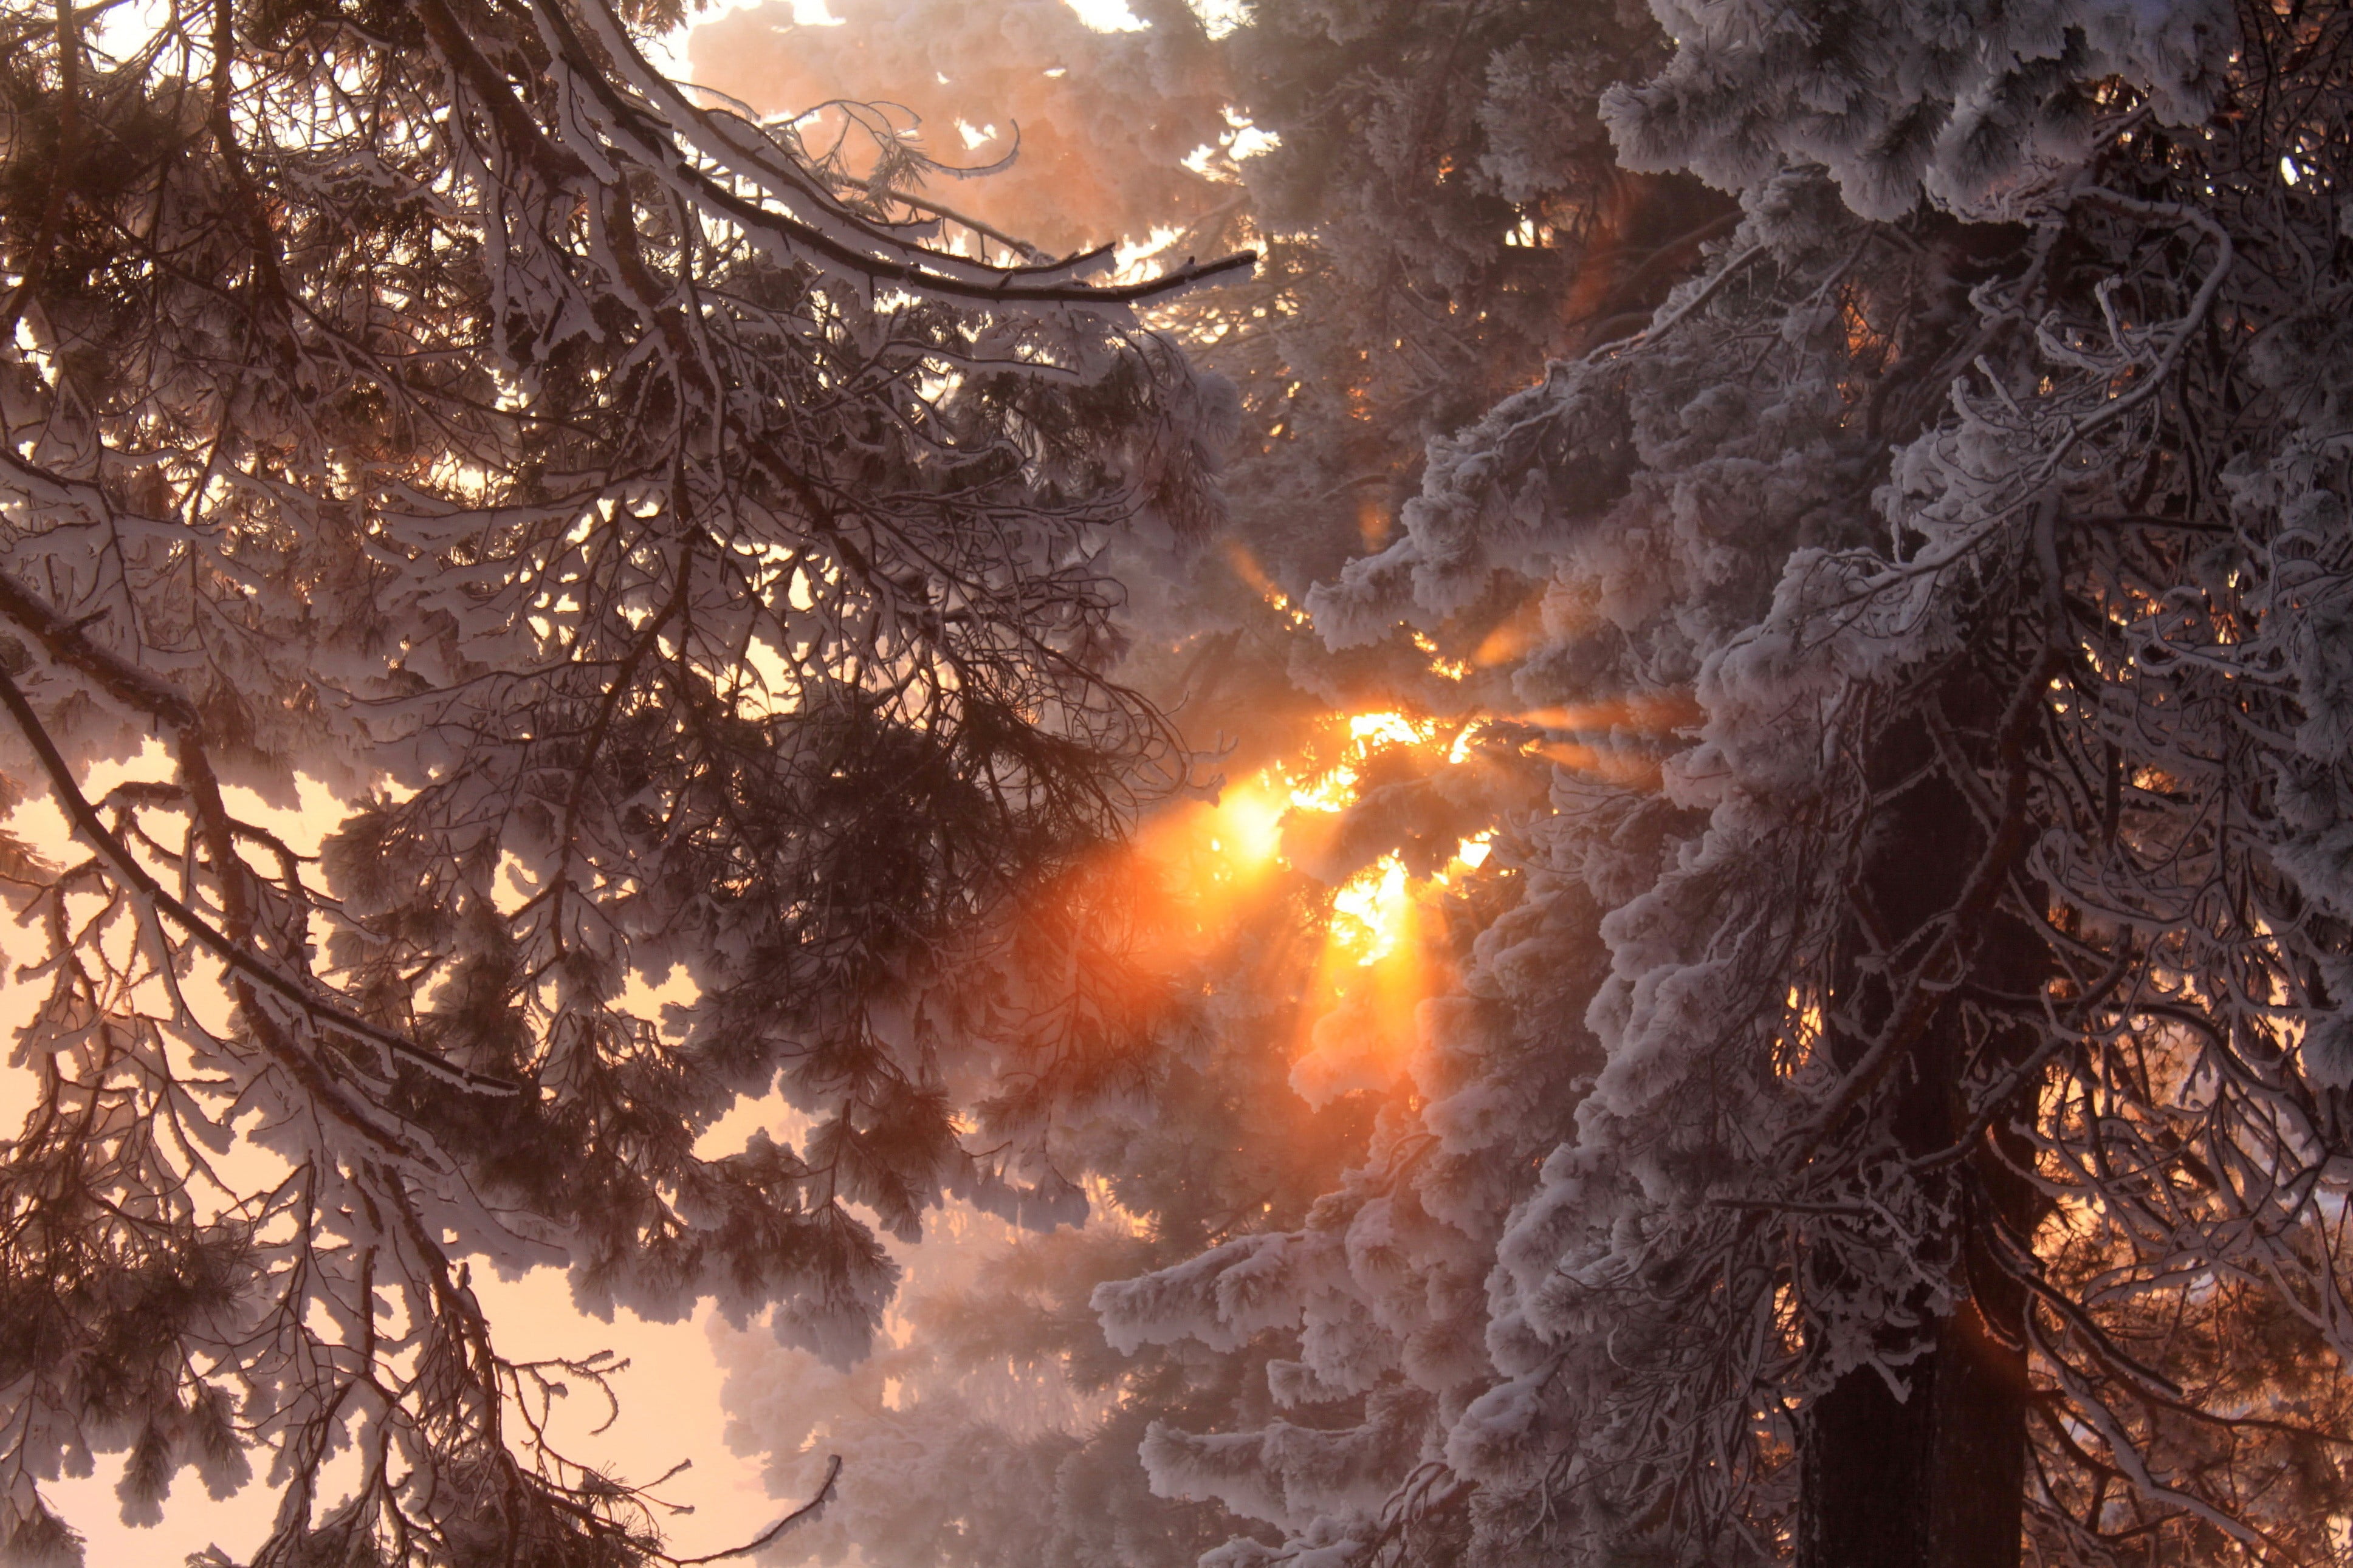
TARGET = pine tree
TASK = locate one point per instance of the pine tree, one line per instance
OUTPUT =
(1890, 1105)
(1481, 284)
(681, 558)
(1966, 1019)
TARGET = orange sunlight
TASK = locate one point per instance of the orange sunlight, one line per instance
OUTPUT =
(1247, 568)
(1375, 959)
(1377, 956)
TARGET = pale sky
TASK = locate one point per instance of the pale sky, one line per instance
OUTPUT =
(670, 1411)
(669, 1394)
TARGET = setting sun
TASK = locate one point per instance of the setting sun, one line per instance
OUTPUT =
(1373, 961)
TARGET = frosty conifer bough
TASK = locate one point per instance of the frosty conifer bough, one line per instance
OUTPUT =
(682, 553)
(1912, 1122)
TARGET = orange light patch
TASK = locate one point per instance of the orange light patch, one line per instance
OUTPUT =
(1375, 959)
(1513, 635)
(1659, 714)
(1390, 730)
(1373, 912)
(1452, 668)
(1247, 568)
(1628, 770)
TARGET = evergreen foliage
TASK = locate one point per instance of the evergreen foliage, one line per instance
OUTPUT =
(683, 557)
(1889, 1100)
(1843, 505)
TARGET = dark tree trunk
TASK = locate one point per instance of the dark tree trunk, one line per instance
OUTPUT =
(1935, 1479)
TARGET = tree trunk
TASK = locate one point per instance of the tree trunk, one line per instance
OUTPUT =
(1935, 1479)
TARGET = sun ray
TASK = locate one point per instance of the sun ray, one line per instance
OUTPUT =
(1372, 954)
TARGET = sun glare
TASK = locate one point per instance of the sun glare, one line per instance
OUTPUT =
(1386, 728)
(1372, 911)
(1374, 960)
(1376, 948)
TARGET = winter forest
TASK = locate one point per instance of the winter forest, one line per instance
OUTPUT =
(1340, 784)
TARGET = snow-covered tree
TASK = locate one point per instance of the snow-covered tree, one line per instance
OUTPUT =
(1890, 1103)
(1481, 284)
(1899, 1113)
(997, 1375)
(1027, 119)
(1430, 186)
(682, 557)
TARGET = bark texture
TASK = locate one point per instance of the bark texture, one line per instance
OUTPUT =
(1932, 1476)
